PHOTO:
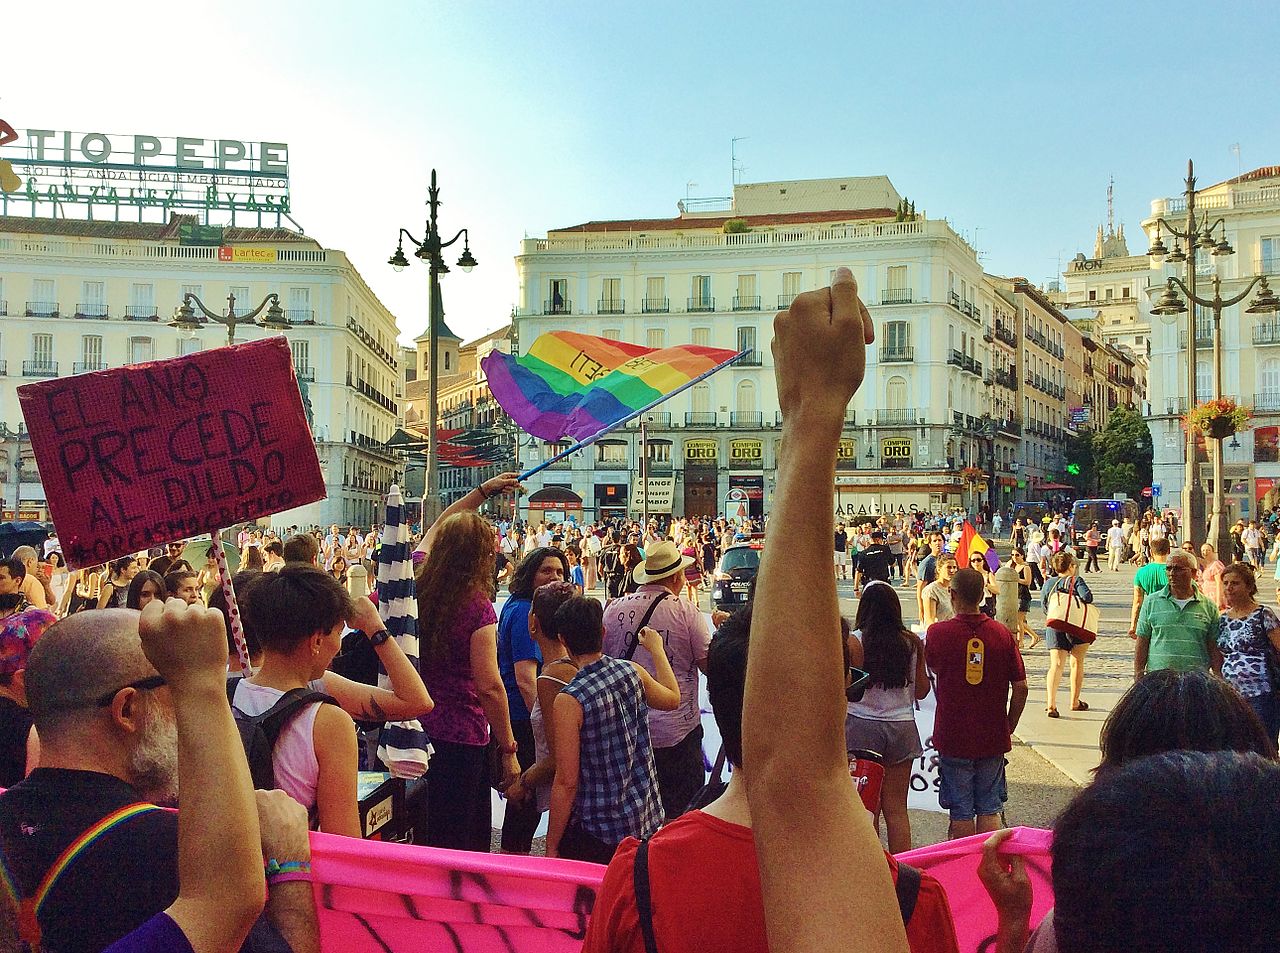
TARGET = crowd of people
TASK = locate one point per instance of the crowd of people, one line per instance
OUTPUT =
(577, 698)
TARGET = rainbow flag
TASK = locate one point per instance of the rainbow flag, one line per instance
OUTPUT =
(575, 385)
(970, 543)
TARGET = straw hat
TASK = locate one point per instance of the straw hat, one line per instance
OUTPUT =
(660, 562)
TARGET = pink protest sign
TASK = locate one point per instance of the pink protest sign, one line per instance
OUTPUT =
(136, 456)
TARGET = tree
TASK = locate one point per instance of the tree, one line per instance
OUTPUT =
(1122, 451)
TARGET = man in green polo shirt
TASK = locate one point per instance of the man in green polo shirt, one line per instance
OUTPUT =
(1150, 578)
(1178, 626)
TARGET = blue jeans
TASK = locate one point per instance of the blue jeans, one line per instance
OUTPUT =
(972, 787)
(1268, 711)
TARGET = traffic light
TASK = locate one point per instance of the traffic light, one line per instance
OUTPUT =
(1073, 469)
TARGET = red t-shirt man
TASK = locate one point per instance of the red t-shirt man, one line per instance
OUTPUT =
(972, 687)
(705, 888)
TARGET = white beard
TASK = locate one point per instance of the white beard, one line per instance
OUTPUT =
(153, 762)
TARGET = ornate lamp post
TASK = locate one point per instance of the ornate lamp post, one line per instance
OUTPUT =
(429, 250)
(1197, 236)
(184, 317)
(1169, 307)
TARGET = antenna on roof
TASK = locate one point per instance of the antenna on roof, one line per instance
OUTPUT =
(1235, 150)
(734, 168)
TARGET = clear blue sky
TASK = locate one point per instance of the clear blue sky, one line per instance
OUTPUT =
(1006, 118)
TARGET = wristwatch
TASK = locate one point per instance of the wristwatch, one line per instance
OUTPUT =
(379, 637)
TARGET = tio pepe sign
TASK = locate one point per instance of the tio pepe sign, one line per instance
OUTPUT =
(134, 457)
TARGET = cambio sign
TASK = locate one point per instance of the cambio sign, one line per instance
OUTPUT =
(95, 168)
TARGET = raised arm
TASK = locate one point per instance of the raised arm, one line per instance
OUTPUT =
(220, 876)
(502, 483)
(406, 698)
(821, 866)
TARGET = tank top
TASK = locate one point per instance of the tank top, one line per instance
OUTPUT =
(297, 770)
(887, 704)
(540, 747)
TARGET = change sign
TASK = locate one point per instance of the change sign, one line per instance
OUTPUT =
(136, 456)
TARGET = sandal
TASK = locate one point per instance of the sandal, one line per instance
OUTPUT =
(1080, 706)
(1052, 713)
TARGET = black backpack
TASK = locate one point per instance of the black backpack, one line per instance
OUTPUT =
(258, 733)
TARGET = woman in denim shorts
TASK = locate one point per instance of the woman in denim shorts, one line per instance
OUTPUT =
(884, 720)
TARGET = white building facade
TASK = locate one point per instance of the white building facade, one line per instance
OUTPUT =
(78, 296)
(717, 278)
(1250, 206)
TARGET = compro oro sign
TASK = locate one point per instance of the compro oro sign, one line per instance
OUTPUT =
(701, 453)
(746, 454)
(896, 448)
(662, 494)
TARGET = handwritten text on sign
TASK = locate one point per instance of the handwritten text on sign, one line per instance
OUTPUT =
(134, 457)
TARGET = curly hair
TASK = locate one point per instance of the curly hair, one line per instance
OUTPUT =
(521, 586)
(459, 564)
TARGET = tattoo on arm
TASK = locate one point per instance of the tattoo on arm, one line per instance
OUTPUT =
(373, 712)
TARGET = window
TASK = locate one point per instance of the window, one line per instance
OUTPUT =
(700, 402)
(1270, 249)
(747, 342)
(301, 354)
(746, 297)
(746, 397)
(1093, 294)
(142, 300)
(791, 283)
(299, 305)
(141, 350)
(611, 295)
(611, 452)
(188, 346)
(91, 351)
(655, 337)
(611, 334)
(1204, 380)
(1110, 293)
(447, 356)
(700, 290)
(1124, 292)
(1269, 377)
(241, 294)
(895, 393)
(655, 293)
(94, 300)
(558, 296)
(701, 337)
(897, 278)
(42, 349)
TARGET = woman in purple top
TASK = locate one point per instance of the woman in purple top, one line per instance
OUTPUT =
(457, 632)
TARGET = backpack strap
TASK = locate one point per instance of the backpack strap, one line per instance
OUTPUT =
(276, 718)
(907, 887)
(644, 901)
(644, 620)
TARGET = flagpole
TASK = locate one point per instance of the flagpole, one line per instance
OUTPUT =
(632, 416)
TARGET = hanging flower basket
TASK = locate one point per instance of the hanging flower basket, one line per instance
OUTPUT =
(971, 474)
(1218, 419)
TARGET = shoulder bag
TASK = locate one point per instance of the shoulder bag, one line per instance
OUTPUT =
(1067, 614)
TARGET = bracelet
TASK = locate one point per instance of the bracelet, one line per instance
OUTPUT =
(482, 492)
(278, 873)
(512, 748)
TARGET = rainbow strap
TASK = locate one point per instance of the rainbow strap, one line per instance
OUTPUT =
(29, 907)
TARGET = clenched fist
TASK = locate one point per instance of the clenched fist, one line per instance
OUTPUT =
(186, 644)
(820, 350)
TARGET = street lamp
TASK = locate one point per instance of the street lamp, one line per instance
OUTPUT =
(184, 316)
(429, 250)
(1196, 235)
(1169, 307)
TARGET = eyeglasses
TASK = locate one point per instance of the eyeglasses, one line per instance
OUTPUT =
(142, 685)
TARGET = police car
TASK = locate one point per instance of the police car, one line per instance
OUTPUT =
(736, 570)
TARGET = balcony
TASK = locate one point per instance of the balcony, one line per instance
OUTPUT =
(1175, 406)
(957, 420)
(557, 306)
(746, 302)
(655, 418)
(655, 305)
(1009, 426)
(955, 301)
(784, 301)
(1204, 337)
(307, 374)
(368, 390)
(754, 359)
(1006, 334)
(39, 368)
(890, 354)
(87, 367)
(93, 310)
(896, 296)
(141, 312)
(371, 343)
(898, 417)
(746, 418)
(700, 418)
(988, 333)
(956, 358)
(1007, 379)
(1267, 402)
(42, 309)
(4, 368)
(4, 307)
(1268, 333)
(701, 304)
(611, 306)
(298, 316)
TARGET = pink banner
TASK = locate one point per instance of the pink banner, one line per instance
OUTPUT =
(380, 897)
